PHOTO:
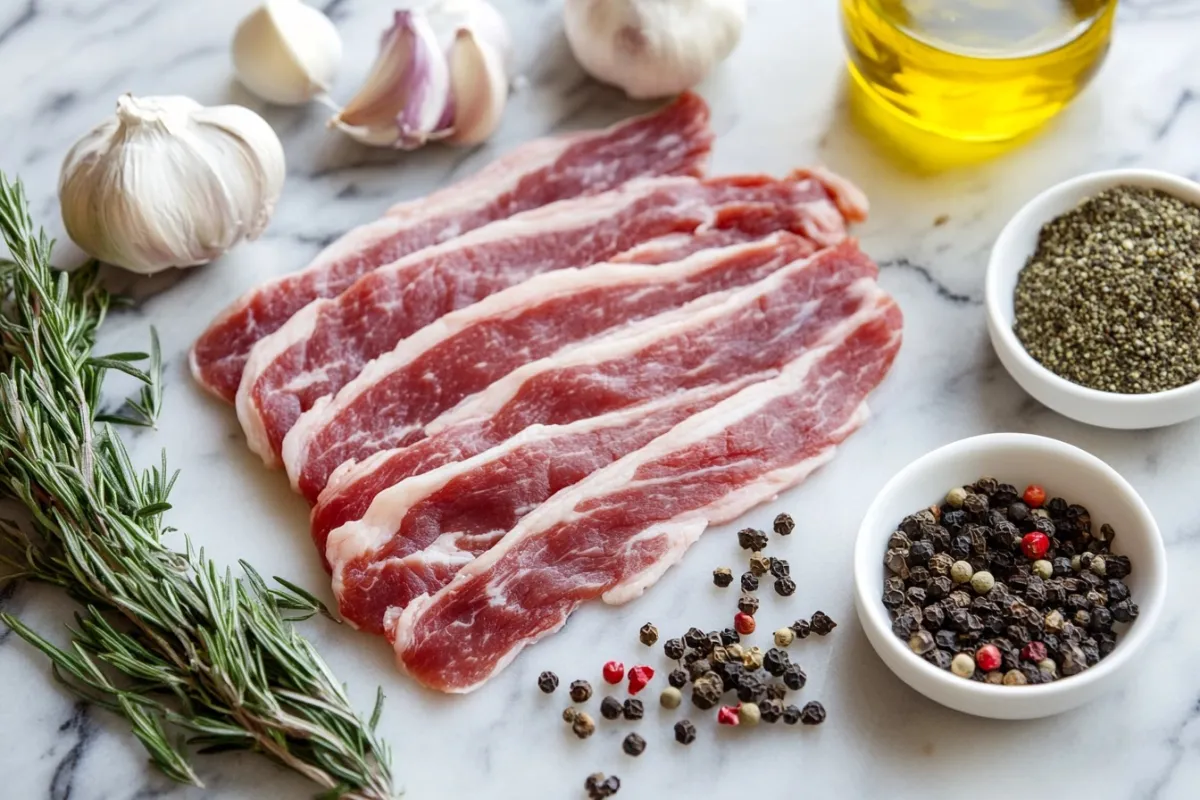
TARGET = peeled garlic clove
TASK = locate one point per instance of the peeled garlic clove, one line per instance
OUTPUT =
(479, 86)
(405, 101)
(166, 182)
(652, 48)
(286, 52)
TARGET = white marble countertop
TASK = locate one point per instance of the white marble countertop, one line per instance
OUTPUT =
(777, 103)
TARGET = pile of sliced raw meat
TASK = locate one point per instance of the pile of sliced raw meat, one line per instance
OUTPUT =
(540, 385)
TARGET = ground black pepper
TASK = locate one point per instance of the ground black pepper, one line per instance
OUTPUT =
(1110, 299)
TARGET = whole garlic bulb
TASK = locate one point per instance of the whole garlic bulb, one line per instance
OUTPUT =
(286, 52)
(167, 182)
(652, 48)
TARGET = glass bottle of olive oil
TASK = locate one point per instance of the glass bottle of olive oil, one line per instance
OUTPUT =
(975, 70)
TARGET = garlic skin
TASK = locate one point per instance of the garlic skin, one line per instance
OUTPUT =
(405, 101)
(286, 52)
(421, 89)
(167, 182)
(652, 48)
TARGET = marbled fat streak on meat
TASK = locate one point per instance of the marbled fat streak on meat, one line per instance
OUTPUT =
(673, 141)
(750, 335)
(325, 345)
(615, 533)
(395, 396)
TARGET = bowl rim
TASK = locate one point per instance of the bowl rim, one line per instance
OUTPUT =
(868, 582)
(996, 300)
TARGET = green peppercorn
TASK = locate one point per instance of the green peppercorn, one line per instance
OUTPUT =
(996, 677)
(748, 604)
(749, 582)
(633, 745)
(581, 691)
(963, 665)
(784, 525)
(1099, 566)
(812, 714)
(1048, 666)
(610, 707)
(633, 710)
(685, 732)
(961, 572)
(748, 714)
(722, 576)
(785, 587)
(1014, 677)
(1043, 569)
(548, 682)
(982, 581)
(759, 565)
(671, 697)
(583, 725)
(956, 496)
(784, 637)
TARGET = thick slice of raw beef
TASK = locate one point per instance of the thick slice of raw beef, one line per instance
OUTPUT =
(326, 344)
(615, 533)
(395, 396)
(751, 334)
(673, 141)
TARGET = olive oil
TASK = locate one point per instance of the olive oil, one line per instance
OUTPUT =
(983, 71)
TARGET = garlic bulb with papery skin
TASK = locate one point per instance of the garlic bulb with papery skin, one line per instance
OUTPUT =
(167, 182)
(286, 52)
(652, 48)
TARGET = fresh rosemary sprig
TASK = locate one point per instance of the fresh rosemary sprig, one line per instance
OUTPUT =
(192, 657)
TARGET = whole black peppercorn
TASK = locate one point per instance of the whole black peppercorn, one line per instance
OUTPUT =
(581, 691)
(1117, 566)
(677, 678)
(698, 668)
(822, 624)
(947, 640)
(633, 745)
(748, 604)
(1117, 591)
(611, 785)
(633, 709)
(751, 539)
(674, 649)
(610, 707)
(1045, 526)
(547, 682)
(693, 637)
(785, 587)
(705, 695)
(812, 714)
(749, 582)
(648, 634)
(685, 732)
(939, 658)
(893, 598)
(899, 541)
(776, 691)
(960, 547)
(691, 657)
(750, 688)
(784, 525)
(1056, 506)
(730, 636)
(916, 595)
(780, 568)
(934, 616)
(1125, 611)
(722, 576)
(938, 588)
(801, 628)
(583, 725)
(770, 710)
(776, 661)
(976, 504)
(791, 715)
(794, 677)
(920, 553)
(905, 624)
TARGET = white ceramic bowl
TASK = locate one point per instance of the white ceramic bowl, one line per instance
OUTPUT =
(1019, 459)
(1012, 250)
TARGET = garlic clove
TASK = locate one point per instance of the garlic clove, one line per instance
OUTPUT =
(286, 52)
(482, 18)
(405, 101)
(479, 86)
(166, 182)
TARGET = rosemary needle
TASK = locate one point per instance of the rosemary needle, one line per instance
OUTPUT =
(192, 657)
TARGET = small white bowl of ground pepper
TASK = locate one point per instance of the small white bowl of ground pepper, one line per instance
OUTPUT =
(1073, 483)
(1093, 298)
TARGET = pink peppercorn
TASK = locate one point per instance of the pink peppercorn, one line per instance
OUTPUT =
(743, 623)
(728, 715)
(1034, 651)
(639, 676)
(1035, 544)
(987, 658)
(614, 672)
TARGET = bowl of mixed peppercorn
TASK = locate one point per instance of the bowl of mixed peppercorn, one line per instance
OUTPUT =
(1009, 576)
(1093, 298)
